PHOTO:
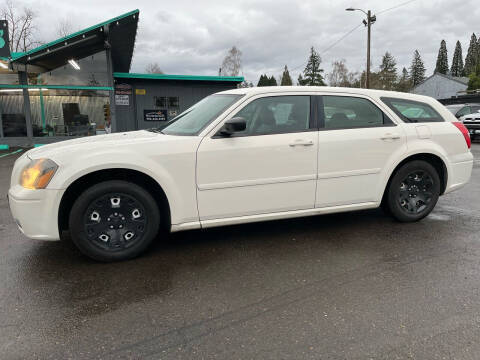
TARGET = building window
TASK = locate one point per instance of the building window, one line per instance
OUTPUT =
(160, 101)
(173, 102)
(56, 112)
(12, 117)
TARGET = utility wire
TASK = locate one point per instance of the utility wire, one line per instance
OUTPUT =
(396, 6)
(331, 45)
(349, 32)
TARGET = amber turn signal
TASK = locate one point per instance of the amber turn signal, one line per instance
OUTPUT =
(38, 174)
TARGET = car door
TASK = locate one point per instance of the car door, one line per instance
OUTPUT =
(270, 167)
(357, 142)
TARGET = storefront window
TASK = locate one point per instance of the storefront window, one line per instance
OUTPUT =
(91, 71)
(70, 112)
(12, 116)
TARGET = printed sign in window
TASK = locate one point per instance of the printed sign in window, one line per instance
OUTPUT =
(155, 115)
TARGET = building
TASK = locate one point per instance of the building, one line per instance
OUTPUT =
(441, 86)
(80, 85)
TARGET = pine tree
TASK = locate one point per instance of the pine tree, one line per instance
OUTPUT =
(313, 72)
(272, 81)
(442, 59)
(286, 79)
(457, 62)
(404, 84)
(417, 69)
(387, 75)
(472, 54)
(263, 81)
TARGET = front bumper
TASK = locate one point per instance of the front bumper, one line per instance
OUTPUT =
(472, 127)
(36, 211)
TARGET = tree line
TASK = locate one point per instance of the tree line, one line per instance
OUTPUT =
(385, 77)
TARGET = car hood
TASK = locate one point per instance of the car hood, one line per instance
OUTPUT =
(94, 143)
(474, 116)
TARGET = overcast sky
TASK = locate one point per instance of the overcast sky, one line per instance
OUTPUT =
(192, 37)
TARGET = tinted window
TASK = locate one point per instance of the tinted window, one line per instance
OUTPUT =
(412, 111)
(343, 112)
(275, 115)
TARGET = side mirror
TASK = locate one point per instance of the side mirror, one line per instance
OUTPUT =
(233, 125)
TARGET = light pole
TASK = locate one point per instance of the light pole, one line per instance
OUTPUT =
(368, 23)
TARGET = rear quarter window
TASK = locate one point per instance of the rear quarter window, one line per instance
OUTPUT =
(413, 111)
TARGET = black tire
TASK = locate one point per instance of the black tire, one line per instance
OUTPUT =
(114, 220)
(413, 191)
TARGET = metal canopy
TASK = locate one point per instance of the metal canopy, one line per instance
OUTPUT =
(118, 33)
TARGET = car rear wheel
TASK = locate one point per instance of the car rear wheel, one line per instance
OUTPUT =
(413, 191)
(114, 220)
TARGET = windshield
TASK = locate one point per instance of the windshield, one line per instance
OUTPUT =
(453, 108)
(196, 118)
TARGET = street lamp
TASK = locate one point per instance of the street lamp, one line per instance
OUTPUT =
(368, 22)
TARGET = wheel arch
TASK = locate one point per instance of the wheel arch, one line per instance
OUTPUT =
(436, 161)
(94, 177)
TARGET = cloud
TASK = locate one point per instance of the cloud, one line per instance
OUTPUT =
(192, 37)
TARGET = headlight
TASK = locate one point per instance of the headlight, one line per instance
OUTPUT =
(38, 174)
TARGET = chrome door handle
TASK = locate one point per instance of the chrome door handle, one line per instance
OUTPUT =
(390, 136)
(301, 143)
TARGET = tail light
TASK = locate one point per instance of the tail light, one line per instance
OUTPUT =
(464, 131)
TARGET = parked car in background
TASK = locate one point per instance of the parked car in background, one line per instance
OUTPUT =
(240, 156)
(469, 114)
(460, 110)
(472, 123)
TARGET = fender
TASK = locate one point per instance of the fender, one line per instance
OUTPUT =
(182, 204)
(415, 148)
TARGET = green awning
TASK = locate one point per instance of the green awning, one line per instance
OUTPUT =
(122, 32)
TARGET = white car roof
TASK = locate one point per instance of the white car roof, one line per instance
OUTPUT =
(326, 89)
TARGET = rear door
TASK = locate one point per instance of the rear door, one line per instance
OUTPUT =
(357, 142)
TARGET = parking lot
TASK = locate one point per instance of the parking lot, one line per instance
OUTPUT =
(355, 285)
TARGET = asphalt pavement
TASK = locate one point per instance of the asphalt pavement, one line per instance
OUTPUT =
(346, 286)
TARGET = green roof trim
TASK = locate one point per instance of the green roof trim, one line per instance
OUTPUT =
(16, 56)
(56, 87)
(13, 56)
(177, 77)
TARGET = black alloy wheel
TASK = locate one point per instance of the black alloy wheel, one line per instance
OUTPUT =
(413, 191)
(114, 220)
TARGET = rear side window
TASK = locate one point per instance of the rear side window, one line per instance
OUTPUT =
(413, 111)
(346, 112)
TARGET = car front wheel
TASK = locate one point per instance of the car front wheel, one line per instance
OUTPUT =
(413, 191)
(114, 220)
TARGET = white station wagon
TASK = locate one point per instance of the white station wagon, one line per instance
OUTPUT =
(240, 156)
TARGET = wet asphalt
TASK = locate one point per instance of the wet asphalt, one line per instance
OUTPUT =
(346, 286)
